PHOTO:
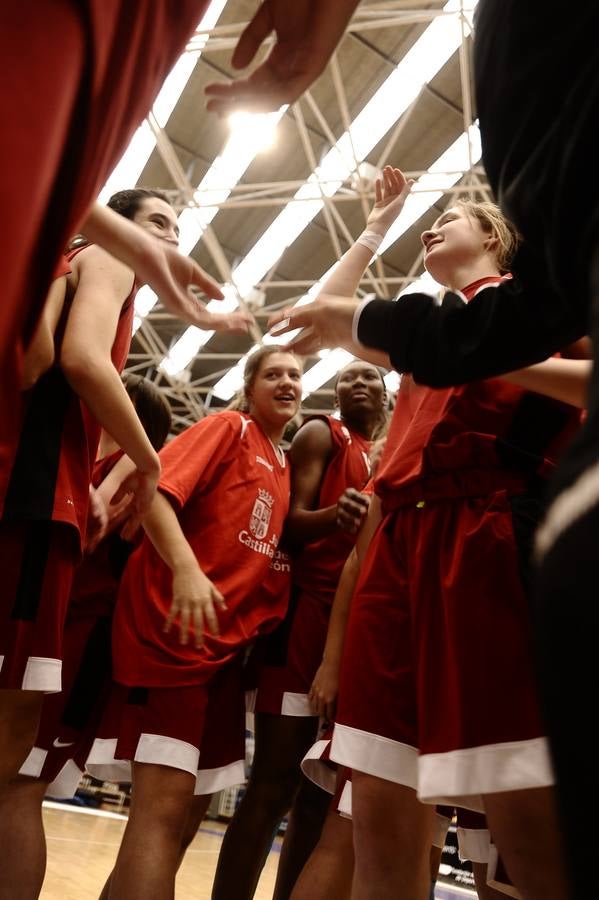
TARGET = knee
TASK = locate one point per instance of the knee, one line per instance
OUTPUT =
(274, 792)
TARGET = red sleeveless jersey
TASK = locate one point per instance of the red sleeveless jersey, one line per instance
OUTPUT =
(230, 489)
(317, 567)
(47, 474)
(470, 440)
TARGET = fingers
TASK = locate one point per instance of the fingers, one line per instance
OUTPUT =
(251, 38)
(205, 283)
(184, 623)
(258, 94)
(209, 611)
(171, 615)
(198, 625)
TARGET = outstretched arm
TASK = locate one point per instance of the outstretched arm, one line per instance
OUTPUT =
(516, 324)
(323, 693)
(163, 268)
(562, 379)
(306, 33)
(391, 190)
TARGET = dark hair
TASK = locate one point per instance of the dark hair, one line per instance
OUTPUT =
(127, 203)
(382, 424)
(151, 407)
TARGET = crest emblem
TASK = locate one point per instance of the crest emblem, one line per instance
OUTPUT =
(261, 513)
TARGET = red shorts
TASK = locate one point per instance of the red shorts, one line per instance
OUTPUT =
(69, 721)
(473, 836)
(437, 685)
(289, 657)
(199, 729)
(37, 562)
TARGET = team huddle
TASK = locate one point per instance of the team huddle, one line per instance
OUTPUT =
(365, 604)
(385, 589)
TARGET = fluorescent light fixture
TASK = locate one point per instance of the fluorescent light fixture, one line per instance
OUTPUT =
(128, 170)
(392, 381)
(324, 370)
(251, 133)
(193, 338)
(456, 159)
(430, 52)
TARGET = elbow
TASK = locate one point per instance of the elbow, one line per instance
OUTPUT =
(78, 366)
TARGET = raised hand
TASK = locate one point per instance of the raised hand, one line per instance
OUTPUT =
(327, 322)
(390, 190)
(171, 275)
(306, 33)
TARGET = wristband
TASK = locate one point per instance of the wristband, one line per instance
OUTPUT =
(370, 239)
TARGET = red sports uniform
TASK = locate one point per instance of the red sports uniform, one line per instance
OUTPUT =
(437, 690)
(291, 656)
(70, 719)
(44, 497)
(230, 488)
(77, 82)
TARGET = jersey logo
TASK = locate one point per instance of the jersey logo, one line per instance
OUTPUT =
(263, 462)
(261, 513)
(346, 434)
(244, 426)
(58, 743)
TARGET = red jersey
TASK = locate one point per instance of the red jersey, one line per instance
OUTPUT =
(230, 489)
(97, 579)
(47, 474)
(317, 567)
(470, 440)
(78, 81)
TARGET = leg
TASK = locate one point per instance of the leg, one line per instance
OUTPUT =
(525, 828)
(197, 811)
(306, 819)
(393, 833)
(483, 890)
(329, 870)
(22, 840)
(19, 720)
(149, 855)
(281, 743)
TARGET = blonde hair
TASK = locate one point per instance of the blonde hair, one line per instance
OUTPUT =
(493, 222)
(252, 367)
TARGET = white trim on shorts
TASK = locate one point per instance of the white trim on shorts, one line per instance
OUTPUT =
(102, 763)
(462, 777)
(317, 769)
(34, 763)
(344, 806)
(473, 844)
(374, 754)
(442, 825)
(42, 673)
(160, 750)
(209, 781)
(296, 705)
(66, 782)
